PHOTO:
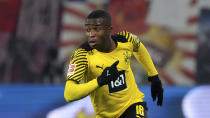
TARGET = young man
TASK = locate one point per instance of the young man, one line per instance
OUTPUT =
(103, 65)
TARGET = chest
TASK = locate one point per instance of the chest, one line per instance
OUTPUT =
(97, 61)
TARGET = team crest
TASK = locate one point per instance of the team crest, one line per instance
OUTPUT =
(126, 57)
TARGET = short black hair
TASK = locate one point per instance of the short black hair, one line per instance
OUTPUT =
(100, 14)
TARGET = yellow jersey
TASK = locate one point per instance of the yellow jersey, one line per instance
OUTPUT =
(109, 101)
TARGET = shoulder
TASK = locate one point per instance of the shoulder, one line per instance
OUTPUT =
(122, 36)
(83, 49)
(119, 38)
(129, 37)
(81, 52)
(125, 36)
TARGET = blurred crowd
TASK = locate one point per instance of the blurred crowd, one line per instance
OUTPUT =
(27, 61)
(38, 36)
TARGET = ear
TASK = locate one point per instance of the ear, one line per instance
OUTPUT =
(109, 29)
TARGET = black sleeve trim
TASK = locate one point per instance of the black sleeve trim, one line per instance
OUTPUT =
(119, 38)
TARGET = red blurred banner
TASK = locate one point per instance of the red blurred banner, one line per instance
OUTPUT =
(127, 13)
(9, 10)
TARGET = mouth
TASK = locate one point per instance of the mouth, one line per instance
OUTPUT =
(92, 43)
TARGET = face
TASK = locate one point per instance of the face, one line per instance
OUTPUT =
(97, 32)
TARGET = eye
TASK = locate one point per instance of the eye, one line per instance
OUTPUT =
(87, 29)
(98, 28)
(94, 28)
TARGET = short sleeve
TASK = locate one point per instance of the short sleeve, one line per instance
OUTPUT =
(78, 65)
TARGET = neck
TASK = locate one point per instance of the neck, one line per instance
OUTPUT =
(109, 45)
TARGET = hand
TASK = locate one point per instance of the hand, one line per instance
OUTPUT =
(156, 89)
(109, 74)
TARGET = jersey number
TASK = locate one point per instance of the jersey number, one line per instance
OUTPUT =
(119, 84)
(139, 111)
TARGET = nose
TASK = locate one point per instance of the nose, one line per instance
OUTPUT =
(92, 33)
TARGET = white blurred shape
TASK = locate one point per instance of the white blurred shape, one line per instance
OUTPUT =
(186, 45)
(72, 109)
(204, 3)
(81, 7)
(196, 103)
(177, 76)
(99, 1)
(71, 35)
(189, 64)
(71, 19)
(169, 13)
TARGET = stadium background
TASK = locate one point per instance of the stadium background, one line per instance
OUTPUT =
(37, 37)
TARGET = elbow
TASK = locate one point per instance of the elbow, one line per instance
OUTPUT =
(69, 91)
(67, 96)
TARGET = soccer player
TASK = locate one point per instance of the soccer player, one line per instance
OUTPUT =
(103, 66)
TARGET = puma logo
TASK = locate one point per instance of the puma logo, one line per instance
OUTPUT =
(99, 67)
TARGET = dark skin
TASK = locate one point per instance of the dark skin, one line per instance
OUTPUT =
(98, 32)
